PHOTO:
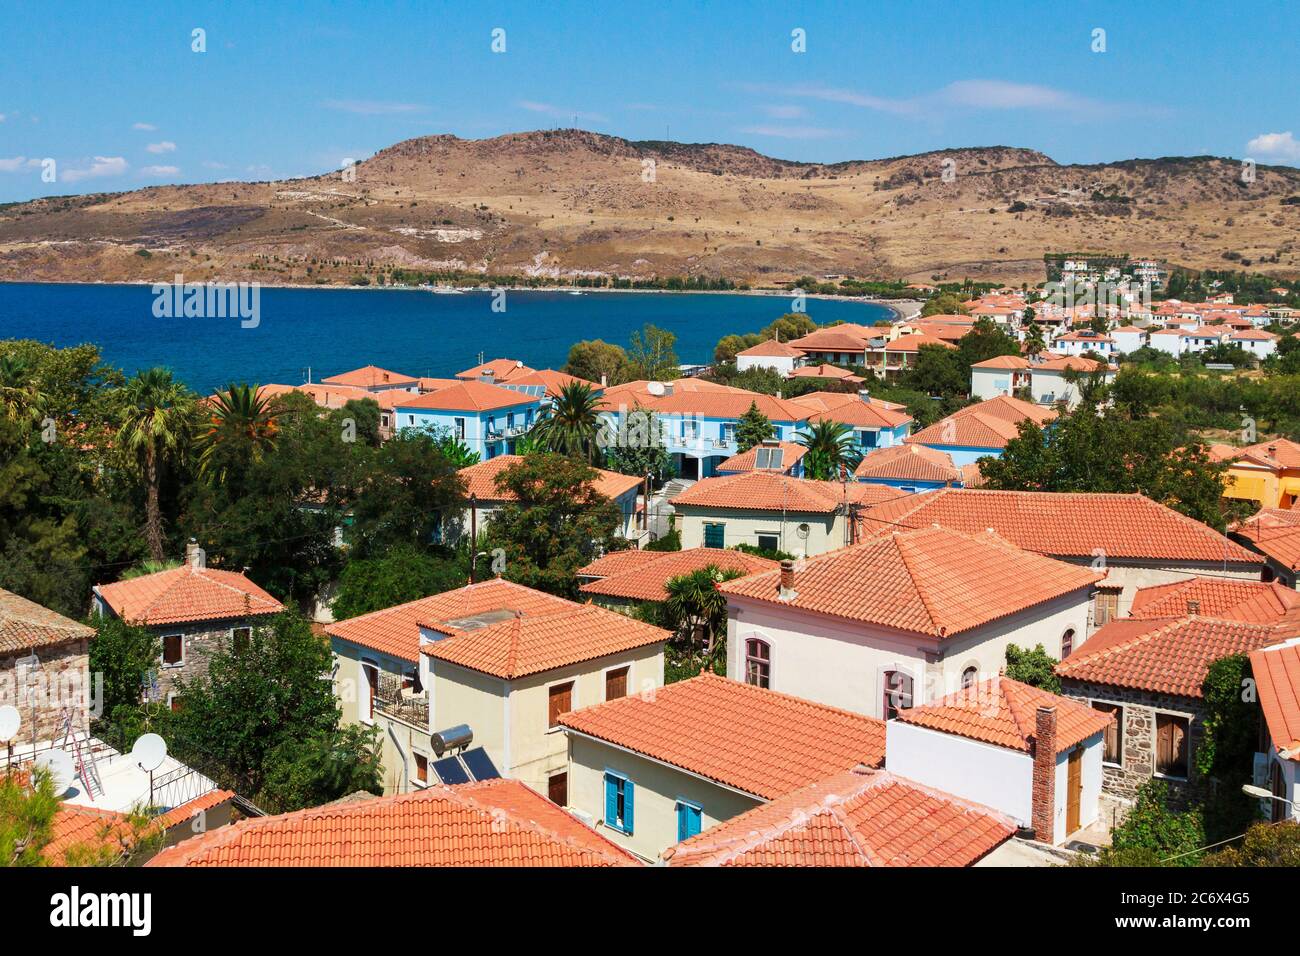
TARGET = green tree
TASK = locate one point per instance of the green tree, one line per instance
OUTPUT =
(456, 451)
(20, 398)
(240, 428)
(571, 424)
(753, 428)
(307, 771)
(156, 423)
(651, 355)
(598, 361)
(123, 653)
(1036, 668)
(945, 303)
(26, 818)
(410, 493)
(554, 521)
(697, 611)
(938, 371)
(984, 341)
(1155, 834)
(831, 451)
(1265, 845)
(637, 447)
(403, 574)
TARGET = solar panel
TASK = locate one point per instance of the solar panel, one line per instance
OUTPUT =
(450, 771)
(480, 764)
(769, 458)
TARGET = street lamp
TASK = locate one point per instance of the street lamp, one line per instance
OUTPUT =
(1252, 791)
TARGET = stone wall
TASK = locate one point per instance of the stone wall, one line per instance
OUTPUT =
(62, 680)
(1137, 744)
(201, 641)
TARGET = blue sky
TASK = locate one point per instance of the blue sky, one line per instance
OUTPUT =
(114, 93)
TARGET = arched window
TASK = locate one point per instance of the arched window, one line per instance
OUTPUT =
(758, 662)
(898, 694)
(1067, 643)
(969, 676)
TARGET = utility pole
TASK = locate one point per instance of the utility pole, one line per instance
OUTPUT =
(473, 535)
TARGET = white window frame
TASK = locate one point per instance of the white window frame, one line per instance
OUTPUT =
(241, 627)
(1155, 743)
(428, 768)
(604, 677)
(162, 653)
(573, 700)
(366, 713)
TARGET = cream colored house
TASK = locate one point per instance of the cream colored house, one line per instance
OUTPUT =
(901, 619)
(651, 770)
(500, 658)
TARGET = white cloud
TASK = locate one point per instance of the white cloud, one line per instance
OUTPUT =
(559, 112)
(791, 132)
(102, 166)
(166, 146)
(372, 107)
(147, 127)
(13, 165)
(783, 111)
(159, 170)
(2, 117)
(1275, 146)
(212, 164)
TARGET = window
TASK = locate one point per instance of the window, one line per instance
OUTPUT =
(758, 663)
(1113, 751)
(175, 703)
(510, 420)
(371, 674)
(1171, 745)
(690, 428)
(714, 534)
(769, 542)
(459, 427)
(898, 694)
(728, 432)
(969, 677)
(616, 683)
(689, 816)
(1067, 643)
(1105, 607)
(557, 789)
(239, 637)
(421, 768)
(618, 802)
(410, 419)
(560, 701)
(173, 650)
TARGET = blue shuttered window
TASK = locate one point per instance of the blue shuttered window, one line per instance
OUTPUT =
(688, 820)
(714, 535)
(619, 801)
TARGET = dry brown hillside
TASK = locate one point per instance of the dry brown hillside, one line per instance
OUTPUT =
(568, 202)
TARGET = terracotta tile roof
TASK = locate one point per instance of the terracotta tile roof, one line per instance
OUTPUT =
(433, 384)
(763, 491)
(647, 581)
(791, 452)
(771, 348)
(186, 811)
(25, 625)
(554, 382)
(494, 823)
(846, 337)
(908, 463)
(1003, 362)
(186, 594)
(746, 737)
(858, 413)
(1076, 362)
(855, 818)
(481, 479)
(1228, 598)
(988, 424)
(532, 644)
(1001, 711)
(1166, 655)
(330, 396)
(1065, 524)
(1277, 453)
(930, 581)
(865, 493)
(88, 828)
(470, 396)
(821, 401)
(1282, 544)
(619, 561)
(913, 343)
(1258, 335)
(1277, 679)
(825, 371)
(502, 370)
(730, 404)
(371, 376)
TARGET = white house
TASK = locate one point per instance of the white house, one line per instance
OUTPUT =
(1257, 342)
(772, 354)
(1084, 340)
(1277, 675)
(1030, 754)
(1128, 338)
(903, 618)
(1049, 382)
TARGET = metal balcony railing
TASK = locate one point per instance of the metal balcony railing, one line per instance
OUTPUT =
(403, 703)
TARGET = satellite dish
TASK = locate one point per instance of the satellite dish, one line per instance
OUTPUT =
(10, 720)
(655, 388)
(803, 531)
(58, 764)
(149, 752)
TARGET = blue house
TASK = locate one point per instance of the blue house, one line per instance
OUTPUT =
(487, 418)
(875, 424)
(909, 468)
(981, 430)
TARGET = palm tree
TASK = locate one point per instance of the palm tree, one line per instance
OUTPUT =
(571, 424)
(830, 449)
(18, 394)
(241, 420)
(155, 428)
(697, 610)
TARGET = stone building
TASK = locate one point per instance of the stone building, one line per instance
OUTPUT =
(195, 611)
(44, 669)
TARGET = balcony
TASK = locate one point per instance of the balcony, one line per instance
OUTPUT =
(397, 699)
(510, 431)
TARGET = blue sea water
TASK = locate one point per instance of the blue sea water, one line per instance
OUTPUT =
(415, 332)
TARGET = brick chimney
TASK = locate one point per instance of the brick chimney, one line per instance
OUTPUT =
(1193, 607)
(787, 591)
(194, 557)
(1043, 800)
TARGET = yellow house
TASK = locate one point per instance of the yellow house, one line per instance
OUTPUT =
(499, 658)
(1267, 473)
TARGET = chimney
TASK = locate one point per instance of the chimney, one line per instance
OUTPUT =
(865, 395)
(604, 380)
(194, 556)
(1193, 607)
(1043, 793)
(787, 591)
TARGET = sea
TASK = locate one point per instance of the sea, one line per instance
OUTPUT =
(320, 332)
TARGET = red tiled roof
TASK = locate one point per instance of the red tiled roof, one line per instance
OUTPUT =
(617, 561)
(913, 343)
(746, 737)
(1281, 543)
(554, 382)
(470, 396)
(748, 460)
(854, 818)
(371, 376)
(1003, 362)
(853, 410)
(1001, 711)
(930, 581)
(824, 371)
(762, 491)
(1278, 453)
(1065, 524)
(988, 424)
(480, 480)
(846, 337)
(84, 828)
(647, 580)
(1277, 679)
(502, 370)
(722, 404)
(822, 401)
(494, 823)
(1167, 655)
(908, 463)
(185, 594)
(25, 625)
(1227, 598)
(771, 348)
